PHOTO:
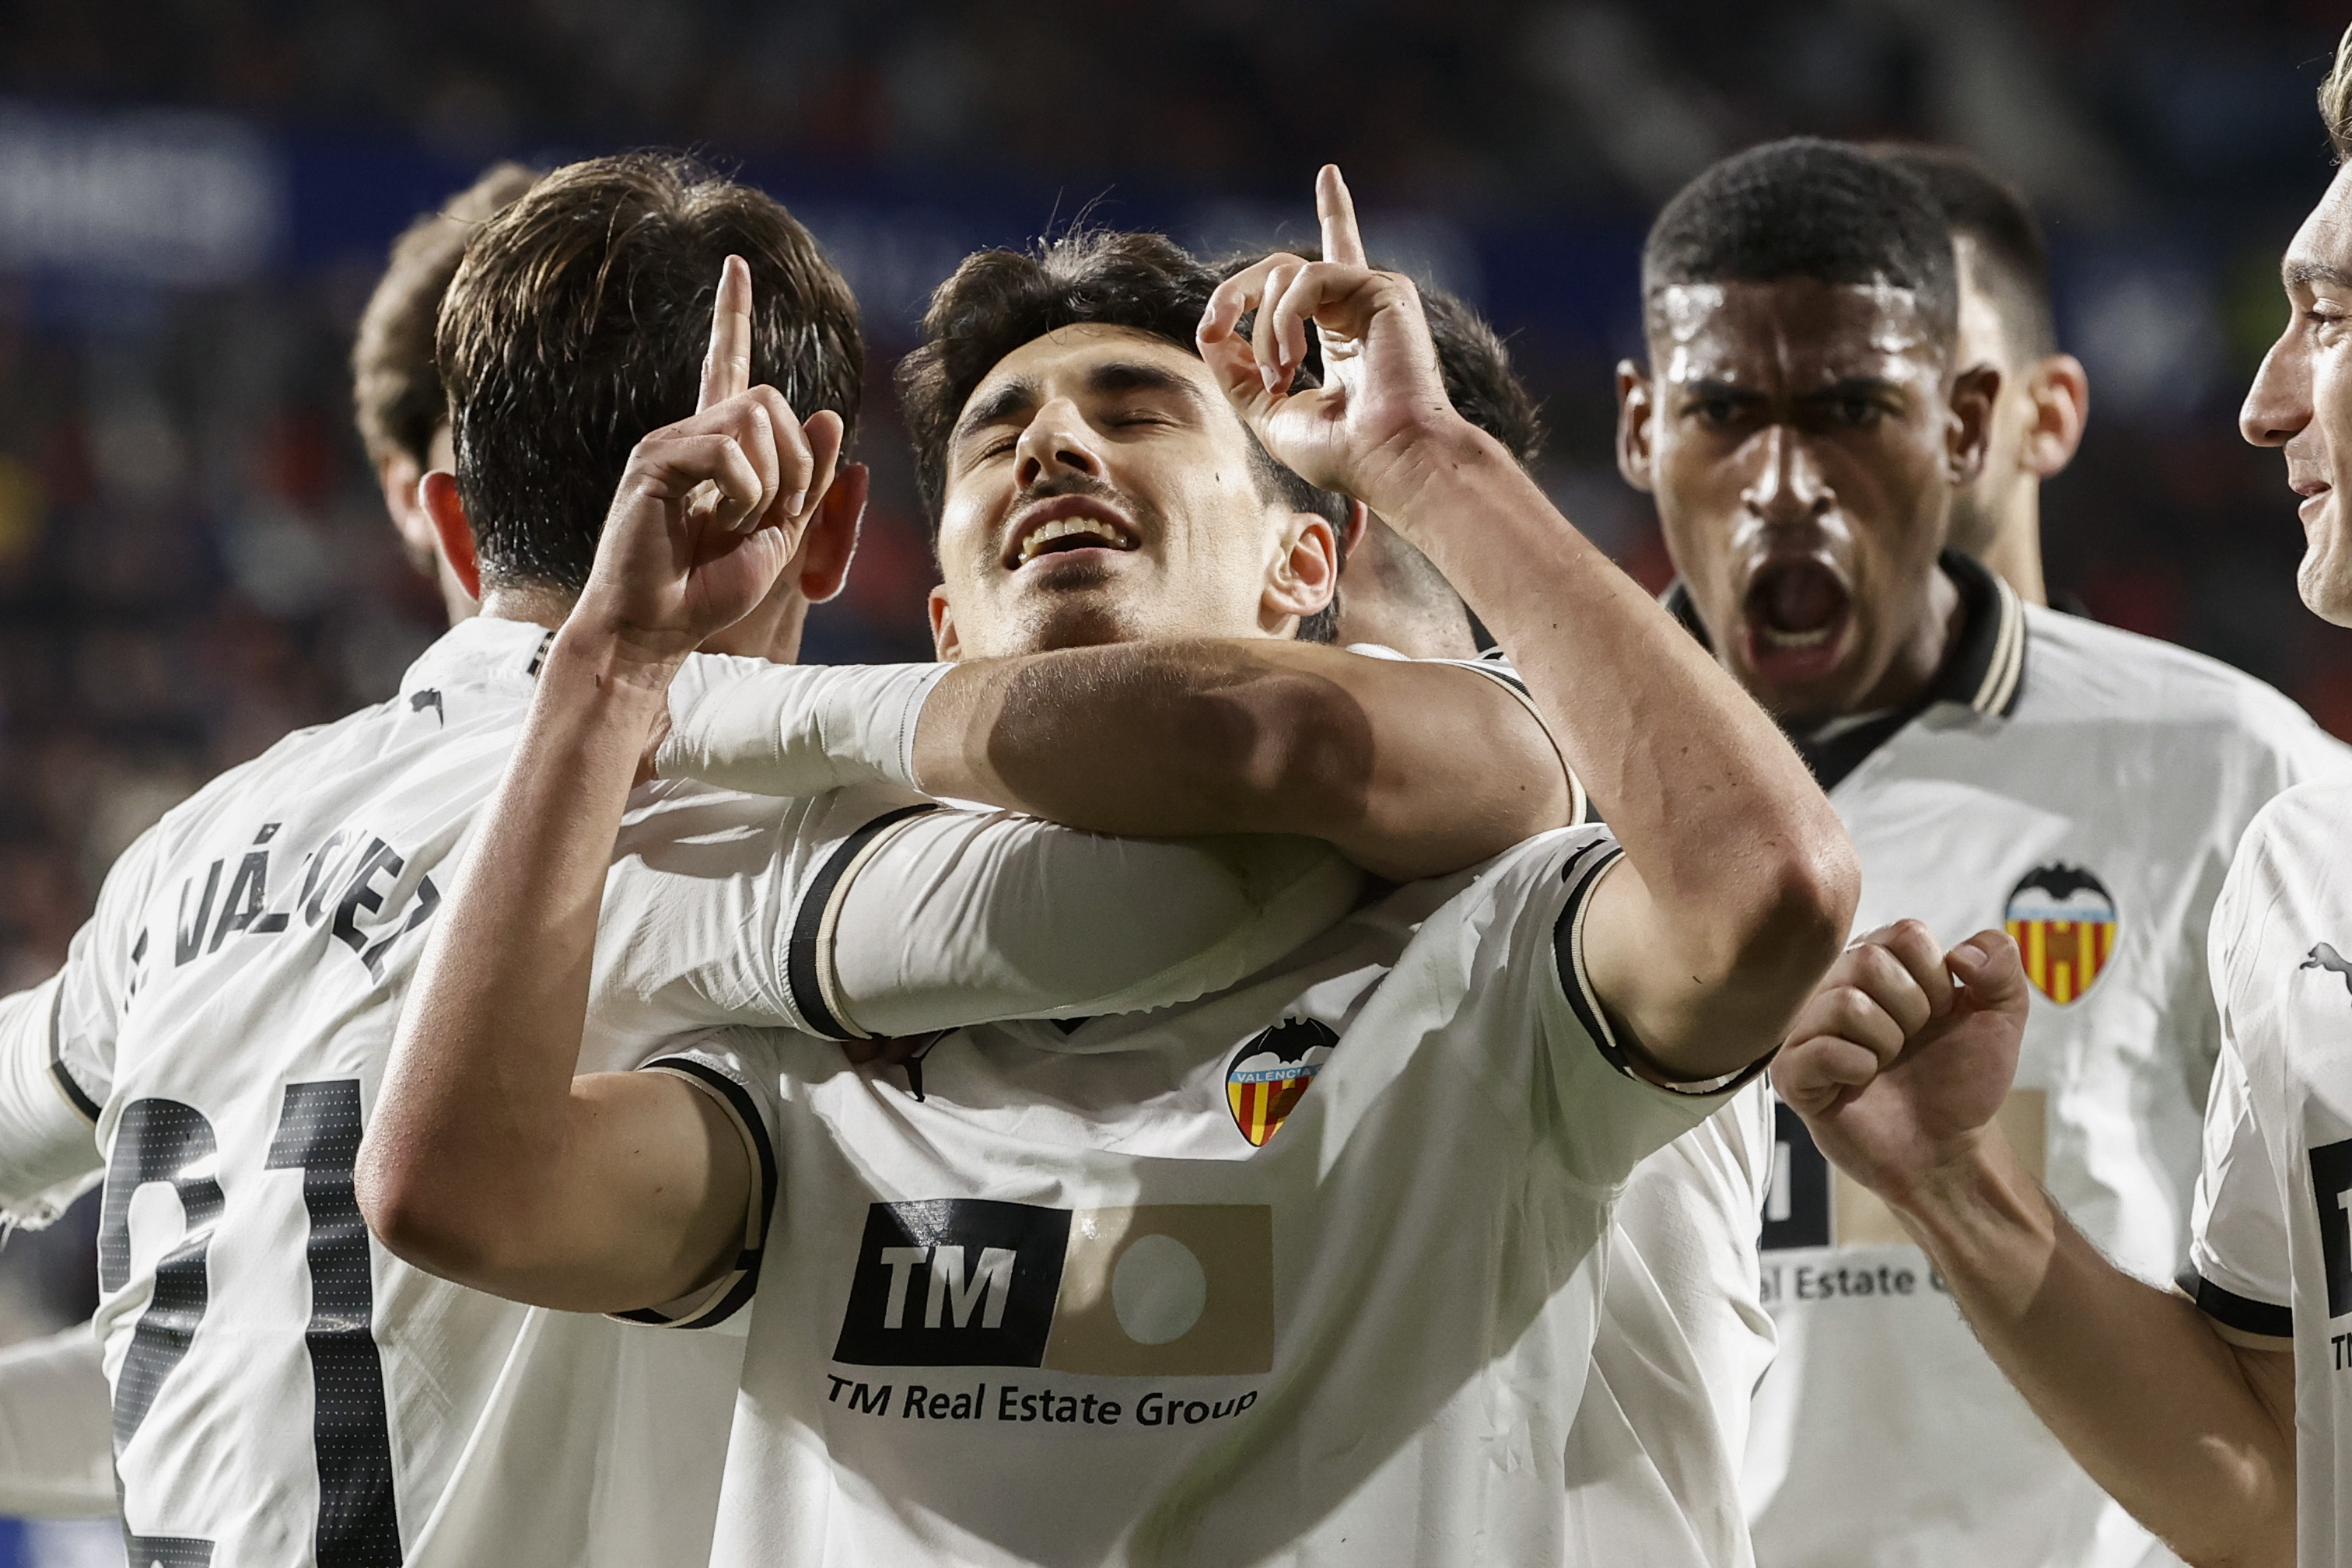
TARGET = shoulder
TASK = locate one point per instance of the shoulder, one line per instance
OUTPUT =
(2078, 668)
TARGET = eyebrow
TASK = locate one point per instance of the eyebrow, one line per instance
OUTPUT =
(1111, 378)
(2297, 273)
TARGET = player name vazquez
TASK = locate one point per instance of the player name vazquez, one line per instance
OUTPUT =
(1011, 1402)
(345, 881)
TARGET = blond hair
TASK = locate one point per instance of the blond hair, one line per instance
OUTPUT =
(2335, 98)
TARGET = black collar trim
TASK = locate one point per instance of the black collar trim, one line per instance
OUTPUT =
(1985, 669)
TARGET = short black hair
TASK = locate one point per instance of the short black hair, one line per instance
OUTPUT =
(2012, 258)
(998, 300)
(1805, 207)
(577, 324)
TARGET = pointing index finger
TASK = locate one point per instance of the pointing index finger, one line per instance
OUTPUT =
(727, 369)
(1336, 209)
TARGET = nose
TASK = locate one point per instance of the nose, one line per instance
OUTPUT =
(1788, 486)
(2278, 404)
(1056, 442)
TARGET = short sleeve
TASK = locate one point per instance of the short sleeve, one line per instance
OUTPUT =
(737, 1069)
(49, 1150)
(2238, 1272)
(960, 917)
(1607, 1115)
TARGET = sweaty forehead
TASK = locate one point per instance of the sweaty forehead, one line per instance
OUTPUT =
(1793, 332)
(1070, 361)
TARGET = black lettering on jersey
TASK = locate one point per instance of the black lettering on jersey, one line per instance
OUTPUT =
(954, 1282)
(428, 899)
(325, 870)
(1796, 1204)
(192, 932)
(247, 892)
(2331, 1190)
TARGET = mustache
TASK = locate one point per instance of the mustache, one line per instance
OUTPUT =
(1085, 485)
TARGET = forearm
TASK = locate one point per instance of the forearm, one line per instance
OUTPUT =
(2148, 1399)
(474, 1128)
(1748, 875)
(1410, 770)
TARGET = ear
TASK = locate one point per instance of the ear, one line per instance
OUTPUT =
(1359, 516)
(1304, 576)
(1637, 409)
(1970, 430)
(451, 529)
(944, 641)
(831, 537)
(2061, 391)
(397, 478)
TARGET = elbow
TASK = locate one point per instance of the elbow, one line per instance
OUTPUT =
(424, 1219)
(1797, 912)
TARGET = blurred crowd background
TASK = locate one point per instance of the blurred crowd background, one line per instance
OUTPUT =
(195, 198)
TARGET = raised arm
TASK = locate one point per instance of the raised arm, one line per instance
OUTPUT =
(487, 1162)
(1898, 1073)
(1738, 882)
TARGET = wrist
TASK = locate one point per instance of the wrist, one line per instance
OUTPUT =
(611, 668)
(1429, 463)
(1978, 1184)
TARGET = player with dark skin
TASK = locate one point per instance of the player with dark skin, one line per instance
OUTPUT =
(1804, 441)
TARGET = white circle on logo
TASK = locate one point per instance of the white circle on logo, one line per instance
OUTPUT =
(1157, 1289)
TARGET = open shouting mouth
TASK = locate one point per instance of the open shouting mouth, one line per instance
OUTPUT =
(1794, 618)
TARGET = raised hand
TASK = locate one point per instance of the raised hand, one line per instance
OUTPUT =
(711, 509)
(1903, 1057)
(1368, 431)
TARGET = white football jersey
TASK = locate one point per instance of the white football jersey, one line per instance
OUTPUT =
(1305, 1271)
(2270, 1259)
(2085, 788)
(285, 1392)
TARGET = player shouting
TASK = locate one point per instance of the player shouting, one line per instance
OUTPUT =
(2220, 1420)
(1805, 425)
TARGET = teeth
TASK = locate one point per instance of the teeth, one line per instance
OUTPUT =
(1774, 637)
(1062, 527)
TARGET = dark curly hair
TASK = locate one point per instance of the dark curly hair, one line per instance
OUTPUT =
(1000, 300)
(577, 324)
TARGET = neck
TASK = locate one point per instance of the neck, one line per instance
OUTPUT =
(1916, 663)
(541, 606)
(2015, 552)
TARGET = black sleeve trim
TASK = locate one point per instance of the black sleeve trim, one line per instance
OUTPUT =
(2233, 1311)
(804, 953)
(75, 1095)
(1584, 868)
(747, 1263)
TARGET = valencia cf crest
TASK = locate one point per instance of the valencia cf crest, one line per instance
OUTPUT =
(2063, 920)
(1270, 1073)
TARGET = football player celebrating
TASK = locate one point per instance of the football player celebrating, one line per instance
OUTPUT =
(285, 1393)
(1313, 1260)
(1805, 424)
(55, 1456)
(2218, 1420)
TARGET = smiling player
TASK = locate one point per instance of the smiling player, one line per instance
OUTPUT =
(1141, 1305)
(1804, 424)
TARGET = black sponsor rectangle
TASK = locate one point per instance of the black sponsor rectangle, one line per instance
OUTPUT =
(954, 1282)
(2331, 1190)
(1796, 1204)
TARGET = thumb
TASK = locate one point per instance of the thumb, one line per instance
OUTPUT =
(1991, 972)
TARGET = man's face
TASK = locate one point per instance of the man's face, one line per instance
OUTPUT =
(1100, 489)
(1804, 447)
(2301, 397)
